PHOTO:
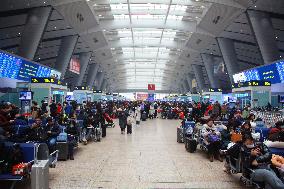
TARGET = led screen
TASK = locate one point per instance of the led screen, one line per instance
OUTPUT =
(25, 95)
(9, 66)
(269, 73)
(273, 73)
(18, 68)
(27, 70)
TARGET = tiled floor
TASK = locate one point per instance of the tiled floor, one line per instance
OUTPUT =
(149, 158)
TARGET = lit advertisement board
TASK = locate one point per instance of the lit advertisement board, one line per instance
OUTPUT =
(273, 73)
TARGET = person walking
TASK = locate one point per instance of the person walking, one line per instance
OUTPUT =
(122, 117)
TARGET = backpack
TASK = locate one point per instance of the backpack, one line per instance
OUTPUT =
(62, 137)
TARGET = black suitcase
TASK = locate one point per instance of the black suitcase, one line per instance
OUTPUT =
(179, 135)
(170, 116)
(190, 145)
(144, 117)
(62, 147)
(104, 131)
(129, 129)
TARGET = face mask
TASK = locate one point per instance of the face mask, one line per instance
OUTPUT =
(250, 146)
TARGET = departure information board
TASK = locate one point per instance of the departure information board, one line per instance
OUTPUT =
(273, 73)
(9, 66)
(18, 68)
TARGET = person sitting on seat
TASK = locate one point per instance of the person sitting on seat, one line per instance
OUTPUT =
(246, 128)
(53, 130)
(212, 140)
(257, 158)
(277, 133)
(37, 132)
(88, 128)
(72, 132)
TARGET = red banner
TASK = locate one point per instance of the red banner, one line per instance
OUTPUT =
(151, 87)
(75, 66)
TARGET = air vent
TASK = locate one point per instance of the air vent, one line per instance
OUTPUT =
(95, 40)
(198, 41)
(103, 54)
(216, 20)
(80, 17)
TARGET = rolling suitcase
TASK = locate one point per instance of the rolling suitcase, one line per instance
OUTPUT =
(62, 147)
(129, 129)
(190, 145)
(40, 175)
(179, 135)
(144, 116)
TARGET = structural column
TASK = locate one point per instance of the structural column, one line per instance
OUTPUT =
(264, 33)
(104, 83)
(228, 51)
(93, 71)
(65, 53)
(33, 31)
(100, 80)
(183, 87)
(199, 76)
(208, 61)
(186, 85)
(84, 59)
(189, 78)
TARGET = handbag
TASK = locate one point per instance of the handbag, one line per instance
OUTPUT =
(236, 137)
(213, 138)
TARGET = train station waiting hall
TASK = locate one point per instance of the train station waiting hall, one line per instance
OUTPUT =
(141, 94)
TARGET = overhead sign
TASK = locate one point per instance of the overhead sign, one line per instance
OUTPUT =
(215, 90)
(98, 91)
(47, 80)
(252, 84)
(82, 88)
(151, 87)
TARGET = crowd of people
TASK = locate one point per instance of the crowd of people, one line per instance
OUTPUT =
(45, 122)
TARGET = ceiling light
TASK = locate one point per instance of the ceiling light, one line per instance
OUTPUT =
(276, 37)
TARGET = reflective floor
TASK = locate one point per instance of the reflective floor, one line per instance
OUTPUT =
(149, 158)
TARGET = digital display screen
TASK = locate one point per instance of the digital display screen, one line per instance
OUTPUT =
(9, 66)
(19, 68)
(25, 95)
(281, 98)
(27, 70)
(273, 73)
(55, 74)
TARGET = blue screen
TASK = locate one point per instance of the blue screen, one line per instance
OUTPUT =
(273, 73)
(280, 69)
(269, 73)
(43, 72)
(27, 70)
(9, 66)
(252, 75)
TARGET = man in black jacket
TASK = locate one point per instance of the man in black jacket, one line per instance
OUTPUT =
(257, 158)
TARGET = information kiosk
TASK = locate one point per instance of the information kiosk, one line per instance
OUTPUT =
(48, 89)
(254, 93)
(212, 95)
(83, 94)
(97, 95)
